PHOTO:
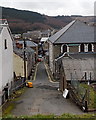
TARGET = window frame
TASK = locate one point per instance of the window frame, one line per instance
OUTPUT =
(5, 44)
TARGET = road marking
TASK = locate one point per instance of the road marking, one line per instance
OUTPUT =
(50, 80)
(35, 72)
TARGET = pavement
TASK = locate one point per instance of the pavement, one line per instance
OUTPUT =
(44, 98)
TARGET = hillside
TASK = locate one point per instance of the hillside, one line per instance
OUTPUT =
(21, 20)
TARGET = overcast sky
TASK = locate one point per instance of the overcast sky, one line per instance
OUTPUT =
(53, 7)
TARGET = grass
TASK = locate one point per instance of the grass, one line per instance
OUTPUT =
(9, 109)
(91, 97)
(9, 106)
(78, 116)
(66, 116)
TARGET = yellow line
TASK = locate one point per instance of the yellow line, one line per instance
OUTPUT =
(49, 74)
(35, 72)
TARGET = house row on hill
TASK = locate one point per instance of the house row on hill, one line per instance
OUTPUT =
(35, 35)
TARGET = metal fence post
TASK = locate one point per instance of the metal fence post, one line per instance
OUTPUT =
(86, 106)
(86, 102)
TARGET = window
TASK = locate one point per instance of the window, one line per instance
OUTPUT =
(64, 48)
(82, 47)
(5, 42)
(89, 47)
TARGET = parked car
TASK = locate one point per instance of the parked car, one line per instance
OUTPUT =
(40, 58)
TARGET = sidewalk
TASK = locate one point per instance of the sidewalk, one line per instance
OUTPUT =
(50, 76)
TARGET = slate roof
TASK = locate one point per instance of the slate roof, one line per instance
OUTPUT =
(74, 32)
(20, 52)
(28, 43)
(83, 55)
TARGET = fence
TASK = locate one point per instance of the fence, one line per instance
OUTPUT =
(83, 94)
(78, 92)
(15, 85)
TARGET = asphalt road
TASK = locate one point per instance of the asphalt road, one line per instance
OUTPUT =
(44, 98)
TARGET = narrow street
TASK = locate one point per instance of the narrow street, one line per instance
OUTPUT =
(44, 98)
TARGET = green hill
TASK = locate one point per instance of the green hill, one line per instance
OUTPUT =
(22, 21)
(27, 16)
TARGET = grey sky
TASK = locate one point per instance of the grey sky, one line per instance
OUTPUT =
(53, 7)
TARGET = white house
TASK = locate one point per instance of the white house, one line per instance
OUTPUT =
(6, 60)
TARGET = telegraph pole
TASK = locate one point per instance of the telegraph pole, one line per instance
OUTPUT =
(24, 60)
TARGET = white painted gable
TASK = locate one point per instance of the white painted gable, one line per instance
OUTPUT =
(6, 58)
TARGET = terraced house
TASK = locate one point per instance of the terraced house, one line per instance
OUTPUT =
(6, 61)
(76, 37)
(18, 57)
